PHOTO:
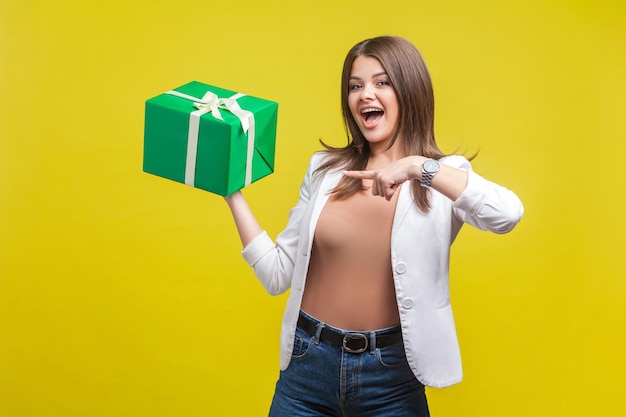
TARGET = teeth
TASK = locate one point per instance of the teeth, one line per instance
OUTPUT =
(370, 110)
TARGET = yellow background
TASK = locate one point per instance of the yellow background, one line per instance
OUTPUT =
(124, 294)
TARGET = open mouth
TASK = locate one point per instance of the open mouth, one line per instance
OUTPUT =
(371, 115)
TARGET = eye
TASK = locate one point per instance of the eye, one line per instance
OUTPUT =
(354, 86)
(383, 83)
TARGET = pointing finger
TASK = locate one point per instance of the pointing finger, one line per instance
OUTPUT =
(366, 175)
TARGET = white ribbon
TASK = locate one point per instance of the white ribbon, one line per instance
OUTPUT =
(210, 102)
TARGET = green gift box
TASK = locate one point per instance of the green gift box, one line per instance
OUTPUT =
(210, 138)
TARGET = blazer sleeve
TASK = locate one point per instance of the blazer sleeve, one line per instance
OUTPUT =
(273, 263)
(485, 204)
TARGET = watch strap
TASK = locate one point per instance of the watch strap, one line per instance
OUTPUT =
(427, 176)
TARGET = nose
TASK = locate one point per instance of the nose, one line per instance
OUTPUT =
(367, 92)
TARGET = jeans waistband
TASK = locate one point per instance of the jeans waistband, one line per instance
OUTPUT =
(352, 342)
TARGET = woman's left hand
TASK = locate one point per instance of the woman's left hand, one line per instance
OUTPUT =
(385, 181)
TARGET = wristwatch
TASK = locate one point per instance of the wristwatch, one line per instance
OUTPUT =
(430, 168)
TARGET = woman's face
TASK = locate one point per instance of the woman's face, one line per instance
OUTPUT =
(372, 101)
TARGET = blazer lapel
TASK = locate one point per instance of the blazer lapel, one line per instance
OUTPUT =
(404, 204)
(329, 181)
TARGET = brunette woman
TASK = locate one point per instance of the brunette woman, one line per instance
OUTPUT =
(368, 321)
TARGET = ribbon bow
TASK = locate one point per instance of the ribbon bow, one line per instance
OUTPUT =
(210, 102)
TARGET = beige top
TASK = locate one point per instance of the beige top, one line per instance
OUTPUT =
(350, 284)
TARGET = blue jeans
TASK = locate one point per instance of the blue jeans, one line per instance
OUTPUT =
(324, 380)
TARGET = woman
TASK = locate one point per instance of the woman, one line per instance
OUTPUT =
(368, 321)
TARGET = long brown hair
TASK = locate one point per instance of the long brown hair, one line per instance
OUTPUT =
(411, 82)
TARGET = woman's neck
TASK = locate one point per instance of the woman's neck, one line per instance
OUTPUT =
(380, 158)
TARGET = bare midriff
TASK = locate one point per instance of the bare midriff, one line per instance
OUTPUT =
(350, 283)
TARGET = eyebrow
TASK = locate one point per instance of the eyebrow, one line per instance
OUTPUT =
(378, 74)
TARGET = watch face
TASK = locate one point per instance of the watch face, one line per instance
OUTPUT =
(431, 166)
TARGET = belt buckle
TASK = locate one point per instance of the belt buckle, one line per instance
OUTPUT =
(353, 336)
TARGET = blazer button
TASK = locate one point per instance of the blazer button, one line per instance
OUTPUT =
(400, 268)
(408, 303)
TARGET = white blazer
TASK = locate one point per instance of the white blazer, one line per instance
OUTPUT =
(420, 254)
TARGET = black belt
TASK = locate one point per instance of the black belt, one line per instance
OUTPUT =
(353, 342)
